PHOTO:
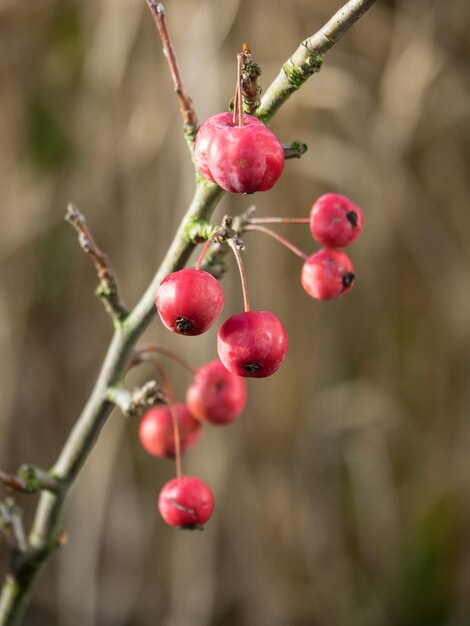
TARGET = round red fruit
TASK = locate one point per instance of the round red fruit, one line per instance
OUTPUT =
(186, 502)
(241, 159)
(327, 274)
(189, 301)
(253, 343)
(335, 221)
(156, 430)
(216, 395)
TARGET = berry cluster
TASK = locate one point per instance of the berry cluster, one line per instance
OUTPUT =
(335, 222)
(237, 152)
(249, 344)
(215, 396)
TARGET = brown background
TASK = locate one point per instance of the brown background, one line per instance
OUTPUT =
(343, 493)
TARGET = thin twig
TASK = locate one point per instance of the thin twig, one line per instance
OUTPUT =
(12, 482)
(186, 104)
(107, 289)
(29, 479)
(308, 57)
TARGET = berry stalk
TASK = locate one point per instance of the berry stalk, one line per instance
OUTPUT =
(144, 357)
(285, 242)
(143, 349)
(279, 220)
(236, 251)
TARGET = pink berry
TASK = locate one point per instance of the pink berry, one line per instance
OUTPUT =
(186, 502)
(156, 429)
(253, 343)
(327, 274)
(216, 395)
(189, 301)
(335, 221)
(241, 159)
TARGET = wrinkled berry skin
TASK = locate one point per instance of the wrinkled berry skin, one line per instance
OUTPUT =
(335, 221)
(240, 159)
(327, 274)
(216, 395)
(189, 301)
(156, 430)
(186, 502)
(252, 344)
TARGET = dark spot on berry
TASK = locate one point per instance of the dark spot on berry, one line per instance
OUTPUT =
(351, 216)
(348, 280)
(183, 325)
(219, 385)
(251, 368)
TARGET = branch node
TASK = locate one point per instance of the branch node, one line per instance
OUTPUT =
(134, 403)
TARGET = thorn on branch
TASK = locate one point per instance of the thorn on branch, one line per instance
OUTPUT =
(107, 289)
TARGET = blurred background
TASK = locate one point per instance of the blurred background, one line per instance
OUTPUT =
(343, 492)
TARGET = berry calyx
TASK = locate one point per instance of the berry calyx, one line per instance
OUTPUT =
(189, 301)
(157, 434)
(216, 395)
(253, 343)
(335, 221)
(239, 158)
(327, 274)
(186, 502)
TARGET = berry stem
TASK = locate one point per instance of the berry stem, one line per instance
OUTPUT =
(176, 435)
(146, 348)
(279, 220)
(241, 269)
(280, 238)
(203, 253)
(144, 357)
(240, 56)
(238, 98)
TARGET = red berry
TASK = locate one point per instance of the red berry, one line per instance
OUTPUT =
(189, 301)
(242, 159)
(156, 429)
(186, 502)
(216, 395)
(327, 274)
(253, 343)
(335, 221)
